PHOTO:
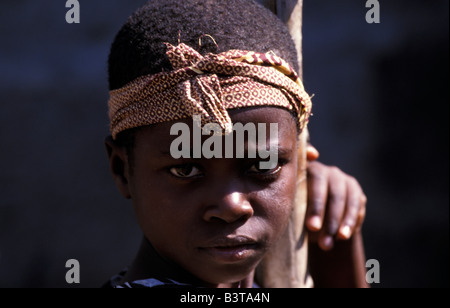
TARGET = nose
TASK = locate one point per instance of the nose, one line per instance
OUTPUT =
(230, 208)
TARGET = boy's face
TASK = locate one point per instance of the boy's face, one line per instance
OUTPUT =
(214, 217)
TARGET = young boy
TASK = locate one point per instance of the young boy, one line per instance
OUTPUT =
(209, 221)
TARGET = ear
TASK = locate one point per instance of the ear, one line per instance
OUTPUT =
(118, 164)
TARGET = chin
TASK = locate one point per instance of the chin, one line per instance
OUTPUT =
(226, 275)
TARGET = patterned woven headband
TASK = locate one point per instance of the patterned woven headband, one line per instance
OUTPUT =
(208, 86)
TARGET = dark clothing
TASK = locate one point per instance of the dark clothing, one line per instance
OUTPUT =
(115, 282)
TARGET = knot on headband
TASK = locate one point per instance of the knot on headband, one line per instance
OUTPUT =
(208, 86)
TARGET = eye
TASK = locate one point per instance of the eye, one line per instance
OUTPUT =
(256, 169)
(185, 171)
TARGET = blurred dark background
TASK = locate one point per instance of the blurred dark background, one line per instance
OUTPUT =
(380, 113)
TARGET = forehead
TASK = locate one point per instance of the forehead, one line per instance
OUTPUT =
(157, 137)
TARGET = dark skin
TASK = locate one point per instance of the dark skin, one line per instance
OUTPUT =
(335, 214)
(209, 222)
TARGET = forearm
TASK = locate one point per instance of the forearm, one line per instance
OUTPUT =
(341, 267)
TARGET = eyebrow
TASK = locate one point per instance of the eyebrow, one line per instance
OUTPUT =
(167, 152)
(285, 151)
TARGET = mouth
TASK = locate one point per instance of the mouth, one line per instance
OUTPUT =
(231, 249)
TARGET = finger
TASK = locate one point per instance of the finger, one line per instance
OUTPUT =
(361, 213)
(317, 196)
(335, 209)
(352, 209)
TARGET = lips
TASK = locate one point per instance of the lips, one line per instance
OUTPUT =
(231, 249)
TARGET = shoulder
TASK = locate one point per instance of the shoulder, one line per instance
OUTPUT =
(151, 283)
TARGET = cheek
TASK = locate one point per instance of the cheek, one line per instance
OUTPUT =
(154, 207)
(278, 204)
(165, 225)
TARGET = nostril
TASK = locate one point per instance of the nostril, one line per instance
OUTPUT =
(217, 220)
(228, 220)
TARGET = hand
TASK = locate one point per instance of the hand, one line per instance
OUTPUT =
(336, 203)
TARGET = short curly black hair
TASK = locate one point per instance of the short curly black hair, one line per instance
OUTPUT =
(138, 48)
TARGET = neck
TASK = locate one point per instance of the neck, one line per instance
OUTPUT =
(149, 264)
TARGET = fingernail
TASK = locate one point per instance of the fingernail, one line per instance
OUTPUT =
(315, 152)
(312, 153)
(315, 223)
(345, 232)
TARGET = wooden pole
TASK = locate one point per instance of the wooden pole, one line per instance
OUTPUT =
(286, 264)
